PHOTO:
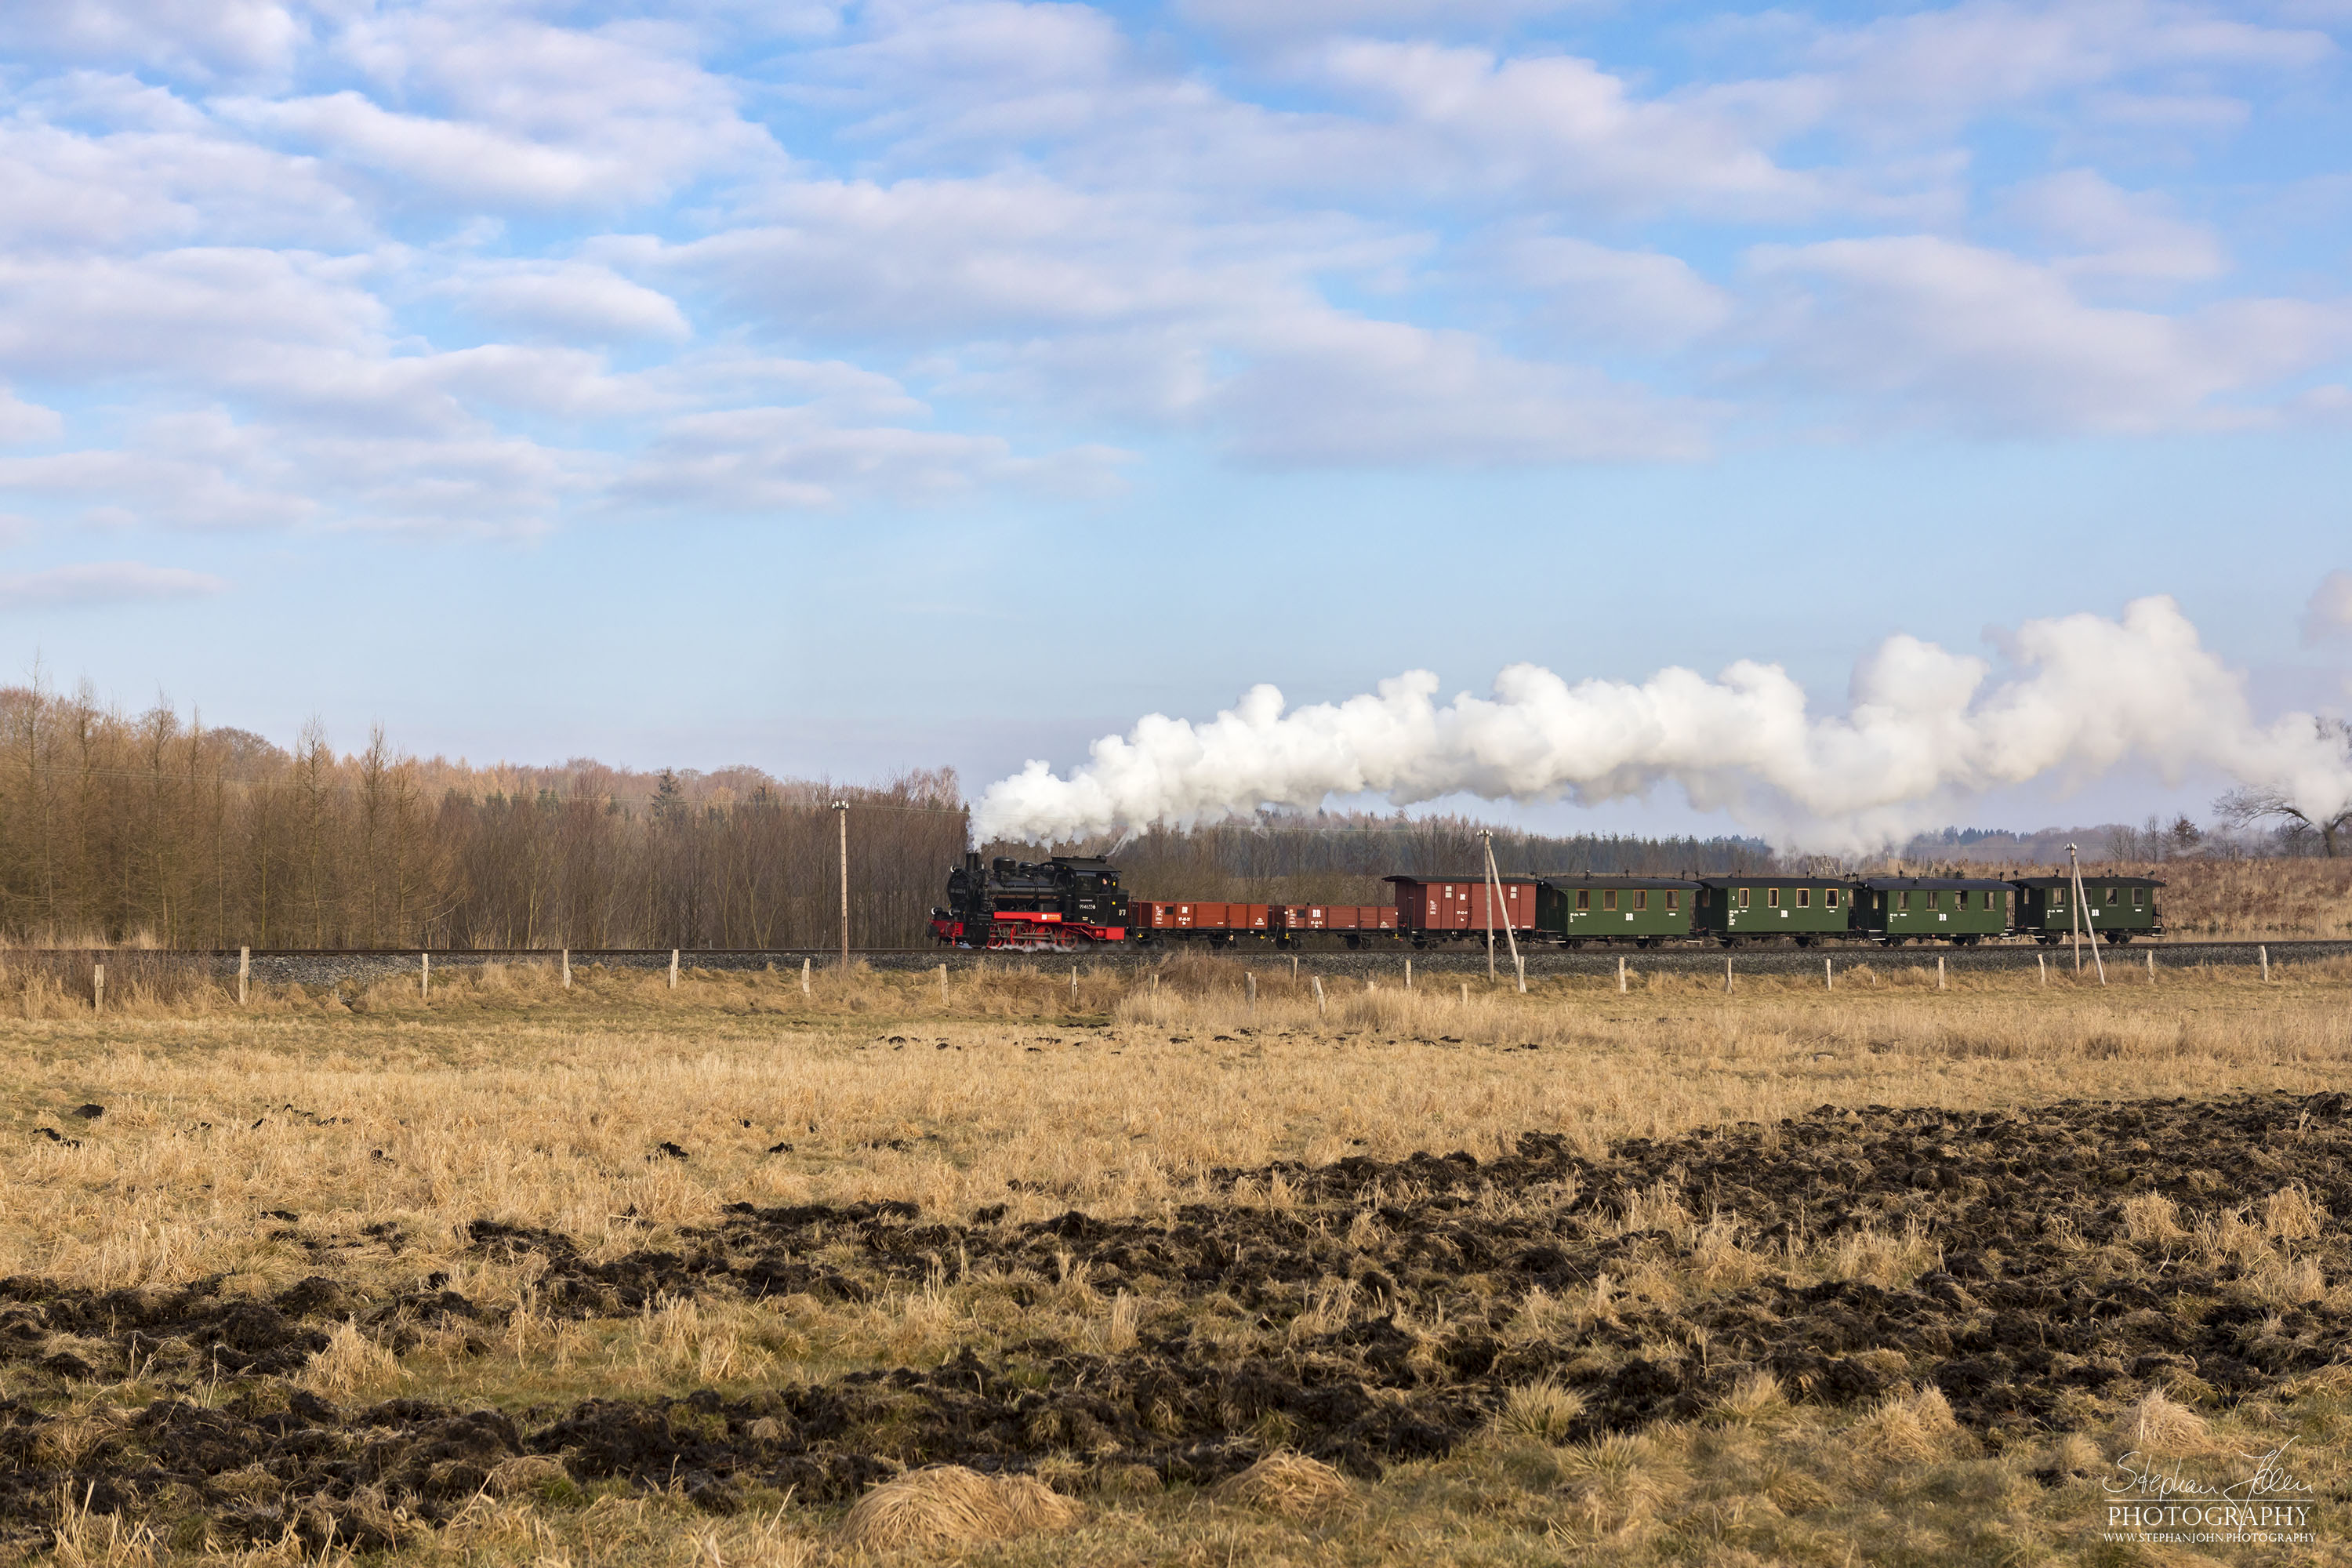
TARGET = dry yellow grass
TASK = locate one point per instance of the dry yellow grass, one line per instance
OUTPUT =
(510, 1099)
(949, 1506)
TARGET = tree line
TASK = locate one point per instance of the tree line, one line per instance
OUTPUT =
(154, 829)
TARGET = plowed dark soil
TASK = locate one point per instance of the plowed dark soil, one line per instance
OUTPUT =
(2042, 1302)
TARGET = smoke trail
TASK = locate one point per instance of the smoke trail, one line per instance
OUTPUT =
(1921, 732)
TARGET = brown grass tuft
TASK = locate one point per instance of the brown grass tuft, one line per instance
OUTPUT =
(2160, 1425)
(1289, 1484)
(948, 1505)
(1543, 1409)
(525, 1473)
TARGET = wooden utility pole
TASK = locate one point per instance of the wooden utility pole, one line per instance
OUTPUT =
(2081, 919)
(1494, 894)
(843, 807)
(1487, 839)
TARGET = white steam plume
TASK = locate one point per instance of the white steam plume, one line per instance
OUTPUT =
(1922, 731)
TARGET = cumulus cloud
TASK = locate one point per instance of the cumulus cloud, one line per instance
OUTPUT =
(1923, 733)
(1334, 391)
(101, 582)
(1564, 126)
(2117, 234)
(1961, 334)
(574, 301)
(1628, 298)
(766, 460)
(379, 241)
(22, 422)
(1941, 63)
(204, 38)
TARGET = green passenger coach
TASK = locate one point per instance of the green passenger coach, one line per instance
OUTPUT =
(2119, 908)
(1580, 908)
(1962, 910)
(1769, 904)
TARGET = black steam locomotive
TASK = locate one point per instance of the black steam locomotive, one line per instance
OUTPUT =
(1066, 902)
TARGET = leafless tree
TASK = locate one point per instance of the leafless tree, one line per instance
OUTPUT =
(2246, 807)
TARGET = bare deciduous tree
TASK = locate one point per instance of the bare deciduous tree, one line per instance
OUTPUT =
(2248, 806)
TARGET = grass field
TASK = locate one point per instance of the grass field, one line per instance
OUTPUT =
(664, 1242)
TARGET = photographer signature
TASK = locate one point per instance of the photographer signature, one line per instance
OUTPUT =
(2269, 1478)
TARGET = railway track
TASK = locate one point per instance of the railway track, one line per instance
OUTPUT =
(312, 966)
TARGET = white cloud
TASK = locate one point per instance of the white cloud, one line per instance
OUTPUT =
(198, 38)
(469, 163)
(785, 459)
(2329, 613)
(2124, 234)
(1561, 125)
(65, 189)
(1340, 391)
(1976, 338)
(1253, 18)
(572, 300)
(499, 108)
(100, 583)
(1959, 60)
(22, 422)
(1635, 298)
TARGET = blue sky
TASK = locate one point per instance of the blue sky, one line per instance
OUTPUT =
(839, 389)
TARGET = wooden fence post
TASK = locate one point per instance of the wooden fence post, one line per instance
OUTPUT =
(2042, 964)
(1408, 973)
(943, 984)
(567, 969)
(1829, 976)
(1727, 977)
(1251, 980)
(425, 976)
(2265, 952)
(243, 972)
(98, 987)
(1621, 974)
(2151, 966)
(673, 969)
(805, 965)
(1319, 1007)
(1939, 972)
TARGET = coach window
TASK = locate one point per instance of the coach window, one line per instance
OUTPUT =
(1772, 898)
(2111, 894)
(1673, 899)
(1640, 897)
(1583, 898)
(2139, 896)
(1743, 897)
(1903, 899)
(1804, 898)
(1609, 898)
(1829, 897)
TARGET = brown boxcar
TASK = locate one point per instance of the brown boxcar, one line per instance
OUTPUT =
(1455, 907)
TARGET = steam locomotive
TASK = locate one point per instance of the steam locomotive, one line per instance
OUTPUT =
(1064, 902)
(1071, 901)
